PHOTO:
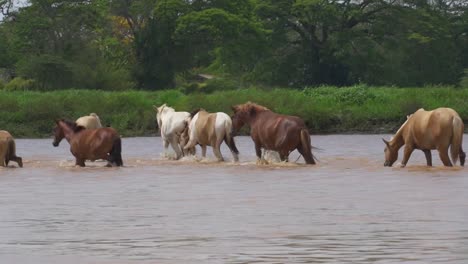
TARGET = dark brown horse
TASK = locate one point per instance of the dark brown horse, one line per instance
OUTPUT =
(272, 131)
(89, 144)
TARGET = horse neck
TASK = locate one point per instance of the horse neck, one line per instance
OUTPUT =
(67, 131)
(252, 119)
(398, 140)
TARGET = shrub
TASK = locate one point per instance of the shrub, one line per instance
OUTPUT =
(464, 79)
(20, 84)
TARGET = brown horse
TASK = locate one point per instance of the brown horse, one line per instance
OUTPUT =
(272, 131)
(89, 144)
(426, 130)
(8, 150)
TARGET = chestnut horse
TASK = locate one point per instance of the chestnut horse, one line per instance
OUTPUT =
(272, 131)
(8, 150)
(426, 130)
(89, 144)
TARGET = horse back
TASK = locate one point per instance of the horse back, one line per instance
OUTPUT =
(94, 143)
(277, 132)
(205, 127)
(428, 129)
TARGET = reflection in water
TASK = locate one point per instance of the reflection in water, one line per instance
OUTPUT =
(348, 208)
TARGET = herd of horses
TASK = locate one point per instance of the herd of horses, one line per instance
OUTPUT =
(438, 129)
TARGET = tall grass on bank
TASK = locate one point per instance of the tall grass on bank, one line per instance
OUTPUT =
(324, 109)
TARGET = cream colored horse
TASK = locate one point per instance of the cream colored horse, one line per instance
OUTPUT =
(172, 124)
(8, 149)
(210, 129)
(426, 130)
(91, 121)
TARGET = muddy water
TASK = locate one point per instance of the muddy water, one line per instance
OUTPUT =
(347, 209)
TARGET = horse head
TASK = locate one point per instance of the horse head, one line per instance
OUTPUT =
(63, 128)
(244, 113)
(58, 133)
(391, 154)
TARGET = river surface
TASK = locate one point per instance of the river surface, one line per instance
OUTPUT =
(347, 209)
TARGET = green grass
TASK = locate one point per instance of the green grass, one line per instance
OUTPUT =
(324, 109)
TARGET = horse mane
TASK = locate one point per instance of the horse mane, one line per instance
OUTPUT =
(399, 131)
(194, 112)
(166, 108)
(73, 125)
(250, 107)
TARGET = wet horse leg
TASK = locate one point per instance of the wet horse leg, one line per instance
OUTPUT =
(79, 162)
(284, 156)
(427, 153)
(176, 147)
(462, 157)
(203, 151)
(217, 150)
(406, 154)
(444, 157)
(258, 152)
(166, 146)
(18, 160)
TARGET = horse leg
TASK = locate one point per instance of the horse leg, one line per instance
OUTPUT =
(462, 157)
(406, 154)
(217, 151)
(166, 146)
(258, 152)
(232, 147)
(18, 160)
(284, 156)
(427, 153)
(203, 151)
(444, 157)
(176, 147)
(79, 162)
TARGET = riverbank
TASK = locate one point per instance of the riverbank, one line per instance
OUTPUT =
(358, 109)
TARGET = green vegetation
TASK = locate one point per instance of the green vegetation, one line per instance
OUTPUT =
(325, 109)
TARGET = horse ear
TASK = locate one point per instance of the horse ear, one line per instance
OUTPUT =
(234, 108)
(386, 142)
(155, 108)
(57, 121)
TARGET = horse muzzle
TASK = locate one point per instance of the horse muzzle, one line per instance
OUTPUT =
(55, 144)
(387, 164)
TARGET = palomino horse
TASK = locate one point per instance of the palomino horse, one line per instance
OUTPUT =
(273, 131)
(91, 122)
(210, 129)
(8, 150)
(172, 124)
(90, 144)
(426, 130)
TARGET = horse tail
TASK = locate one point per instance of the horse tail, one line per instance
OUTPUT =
(457, 140)
(306, 147)
(10, 150)
(116, 152)
(11, 153)
(229, 139)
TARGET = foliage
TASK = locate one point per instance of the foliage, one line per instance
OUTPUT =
(146, 44)
(324, 109)
(20, 84)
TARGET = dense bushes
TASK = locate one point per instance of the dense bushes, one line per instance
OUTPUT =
(324, 109)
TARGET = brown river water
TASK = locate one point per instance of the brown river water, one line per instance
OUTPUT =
(347, 209)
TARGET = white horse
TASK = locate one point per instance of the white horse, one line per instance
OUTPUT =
(91, 121)
(210, 129)
(172, 124)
